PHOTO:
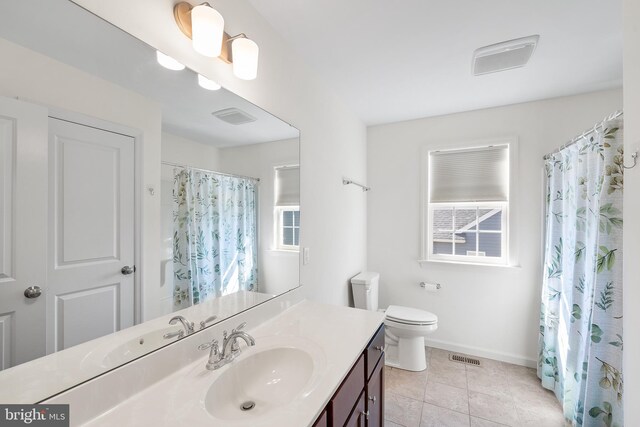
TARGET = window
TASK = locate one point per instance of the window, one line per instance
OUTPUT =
(287, 208)
(467, 205)
(289, 228)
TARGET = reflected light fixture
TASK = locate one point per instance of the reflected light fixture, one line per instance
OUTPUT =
(207, 30)
(198, 23)
(207, 83)
(168, 62)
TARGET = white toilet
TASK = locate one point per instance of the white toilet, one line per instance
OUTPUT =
(405, 327)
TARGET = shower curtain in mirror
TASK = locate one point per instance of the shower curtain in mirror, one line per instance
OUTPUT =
(580, 339)
(214, 240)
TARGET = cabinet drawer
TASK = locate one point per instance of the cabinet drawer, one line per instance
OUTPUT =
(375, 350)
(347, 395)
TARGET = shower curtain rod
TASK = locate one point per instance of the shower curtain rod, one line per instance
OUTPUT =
(585, 133)
(177, 165)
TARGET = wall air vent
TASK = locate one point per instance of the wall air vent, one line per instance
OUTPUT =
(504, 56)
(234, 116)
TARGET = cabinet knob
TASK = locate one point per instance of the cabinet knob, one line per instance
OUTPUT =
(380, 348)
(372, 398)
(365, 413)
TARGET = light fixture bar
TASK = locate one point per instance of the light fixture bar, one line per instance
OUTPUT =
(246, 50)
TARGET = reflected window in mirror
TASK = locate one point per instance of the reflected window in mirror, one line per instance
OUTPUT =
(287, 208)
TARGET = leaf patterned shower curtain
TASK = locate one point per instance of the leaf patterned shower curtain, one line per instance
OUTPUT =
(580, 339)
(214, 241)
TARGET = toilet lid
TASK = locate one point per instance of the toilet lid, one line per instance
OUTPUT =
(410, 315)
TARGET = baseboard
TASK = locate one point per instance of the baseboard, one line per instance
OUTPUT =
(481, 352)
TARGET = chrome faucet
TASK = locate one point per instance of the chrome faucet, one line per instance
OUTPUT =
(217, 358)
(188, 326)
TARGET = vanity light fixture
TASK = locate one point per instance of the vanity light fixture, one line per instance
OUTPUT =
(207, 30)
(208, 84)
(198, 24)
(168, 62)
(245, 57)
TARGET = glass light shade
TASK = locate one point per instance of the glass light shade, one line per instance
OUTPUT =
(207, 29)
(245, 58)
(207, 83)
(168, 62)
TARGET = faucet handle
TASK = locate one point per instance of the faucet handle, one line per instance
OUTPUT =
(170, 335)
(203, 323)
(213, 345)
(240, 327)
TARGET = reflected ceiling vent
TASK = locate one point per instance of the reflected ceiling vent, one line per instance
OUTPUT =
(504, 56)
(234, 116)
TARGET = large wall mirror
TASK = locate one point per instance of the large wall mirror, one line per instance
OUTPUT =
(98, 145)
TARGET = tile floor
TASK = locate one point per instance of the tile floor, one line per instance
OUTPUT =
(452, 394)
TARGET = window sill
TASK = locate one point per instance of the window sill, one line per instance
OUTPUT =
(284, 251)
(475, 264)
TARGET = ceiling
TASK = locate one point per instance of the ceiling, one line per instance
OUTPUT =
(399, 60)
(69, 34)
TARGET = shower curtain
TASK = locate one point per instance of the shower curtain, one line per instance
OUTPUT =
(580, 339)
(214, 240)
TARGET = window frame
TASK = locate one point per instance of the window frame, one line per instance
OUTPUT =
(510, 249)
(471, 259)
(279, 227)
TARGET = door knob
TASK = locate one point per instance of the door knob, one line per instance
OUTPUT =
(33, 292)
(126, 270)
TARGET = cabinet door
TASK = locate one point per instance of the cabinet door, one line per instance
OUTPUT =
(358, 416)
(345, 398)
(322, 420)
(375, 397)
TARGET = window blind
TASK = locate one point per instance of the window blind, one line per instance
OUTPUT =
(288, 186)
(472, 175)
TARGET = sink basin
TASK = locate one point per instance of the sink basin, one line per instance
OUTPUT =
(265, 381)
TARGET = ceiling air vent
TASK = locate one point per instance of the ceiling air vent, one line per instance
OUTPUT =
(504, 56)
(234, 116)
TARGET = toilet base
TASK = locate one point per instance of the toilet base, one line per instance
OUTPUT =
(406, 353)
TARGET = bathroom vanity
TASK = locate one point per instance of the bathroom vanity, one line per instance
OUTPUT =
(359, 400)
(311, 365)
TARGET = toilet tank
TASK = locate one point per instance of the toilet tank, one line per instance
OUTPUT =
(365, 290)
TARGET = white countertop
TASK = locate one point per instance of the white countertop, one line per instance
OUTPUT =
(336, 336)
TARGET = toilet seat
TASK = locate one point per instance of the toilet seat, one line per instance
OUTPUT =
(410, 316)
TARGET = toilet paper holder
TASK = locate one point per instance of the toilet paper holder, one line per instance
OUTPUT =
(424, 285)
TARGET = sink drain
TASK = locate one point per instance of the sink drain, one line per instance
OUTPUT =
(248, 405)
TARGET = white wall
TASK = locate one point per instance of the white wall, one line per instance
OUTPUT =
(278, 270)
(333, 139)
(37, 78)
(177, 149)
(631, 250)
(482, 310)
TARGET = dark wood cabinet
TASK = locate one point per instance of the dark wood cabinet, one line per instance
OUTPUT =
(358, 417)
(346, 397)
(375, 397)
(359, 401)
(322, 420)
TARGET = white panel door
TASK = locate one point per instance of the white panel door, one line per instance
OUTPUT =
(23, 222)
(91, 233)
